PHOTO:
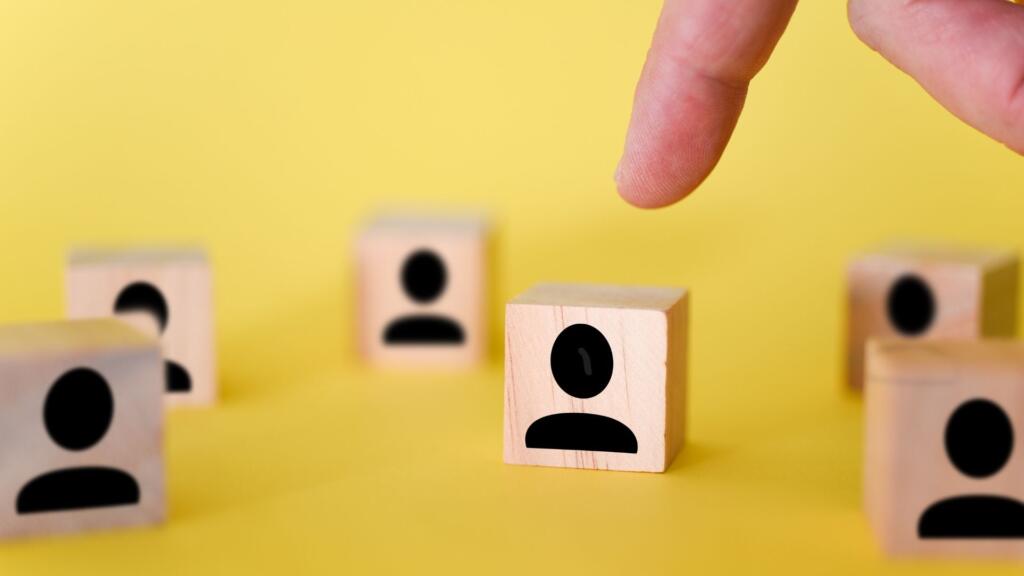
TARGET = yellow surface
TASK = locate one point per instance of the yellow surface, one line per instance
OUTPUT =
(268, 131)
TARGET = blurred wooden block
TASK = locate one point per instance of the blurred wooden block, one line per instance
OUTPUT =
(943, 476)
(166, 292)
(928, 294)
(422, 291)
(81, 428)
(595, 376)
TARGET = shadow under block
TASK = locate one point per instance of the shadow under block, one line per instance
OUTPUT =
(166, 292)
(918, 293)
(422, 291)
(940, 456)
(77, 397)
(595, 376)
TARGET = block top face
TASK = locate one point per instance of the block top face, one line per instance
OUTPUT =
(135, 256)
(58, 338)
(601, 296)
(398, 224)
(934, 361)
(939, 255)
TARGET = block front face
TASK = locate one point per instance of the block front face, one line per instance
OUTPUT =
(81, 431)
(591, 387)
(167, 293)
(421, 292)
(915, 296)
(943, 476)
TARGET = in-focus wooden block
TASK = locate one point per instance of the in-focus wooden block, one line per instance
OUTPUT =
(166, 292)
(81, 428)
(943, 473)
(923, 293)
(595, 376)
(422, 290)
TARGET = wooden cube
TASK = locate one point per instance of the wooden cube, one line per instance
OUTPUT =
(927, 293)
(943, 476)
(168, 291)
(81, 428)
(422, 291)
(595, 376)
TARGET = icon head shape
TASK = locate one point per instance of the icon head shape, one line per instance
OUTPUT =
(143, 297)
(979, 438)
(911, 305)
(79, 409)
(424, 276)
(581, 361)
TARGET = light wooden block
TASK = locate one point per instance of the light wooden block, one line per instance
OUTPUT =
(618, 401)
(942, 420)
(422, 289)
(167, 292)
(77, 396)
(972, 294)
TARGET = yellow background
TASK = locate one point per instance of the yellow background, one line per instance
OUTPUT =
(269, 131)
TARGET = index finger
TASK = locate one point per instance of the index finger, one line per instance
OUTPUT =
(691, 92)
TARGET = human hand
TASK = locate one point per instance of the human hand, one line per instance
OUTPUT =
(968, 54)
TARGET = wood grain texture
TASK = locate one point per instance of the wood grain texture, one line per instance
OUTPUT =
(95, 278)
(646, 329)
(382, 249)
(32, 358)
(913, 388)
(975, 293)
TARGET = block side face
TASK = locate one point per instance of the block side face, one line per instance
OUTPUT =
(908, 469)
(386, 306)
(634, 397)
(187, 290)
(133, 443)
(955, 292)
(512, 431)
(999, 300)
(602, 296)
(878, 458)
(677, 378)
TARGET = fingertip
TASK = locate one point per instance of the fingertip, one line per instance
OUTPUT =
(691, 92)
(646, 201)
(649, 191)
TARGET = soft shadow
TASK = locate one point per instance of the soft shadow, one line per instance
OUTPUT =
(694, 455)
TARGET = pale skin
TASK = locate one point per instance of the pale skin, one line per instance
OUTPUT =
(967, 54)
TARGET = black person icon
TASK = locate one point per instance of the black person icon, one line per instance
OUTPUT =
(78, 411)
(146, 298)
(581, 363)
(979, 442)
(424, 278)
